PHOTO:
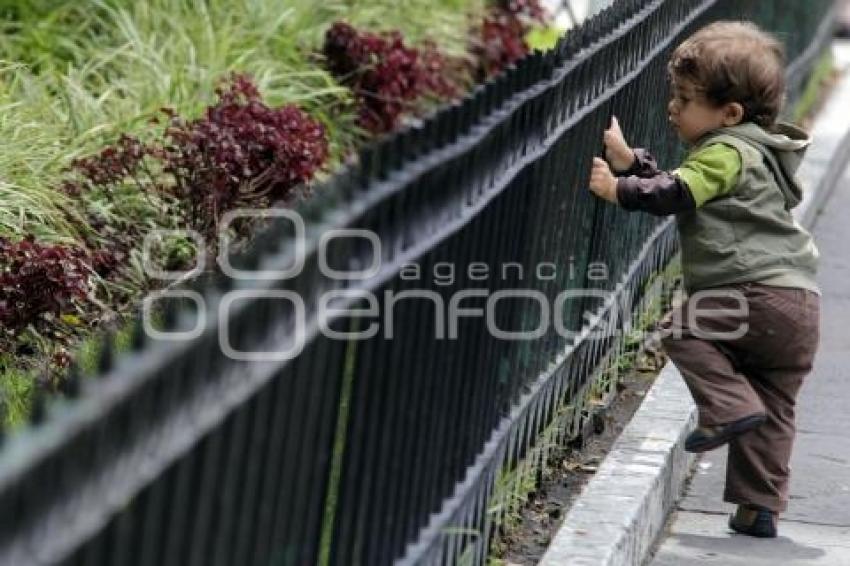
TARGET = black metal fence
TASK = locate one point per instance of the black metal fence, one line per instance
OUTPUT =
(381, 449)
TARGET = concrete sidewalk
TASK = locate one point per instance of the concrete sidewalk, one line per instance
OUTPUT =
(816, 528)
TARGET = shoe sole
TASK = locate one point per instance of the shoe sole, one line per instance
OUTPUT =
(729, 432)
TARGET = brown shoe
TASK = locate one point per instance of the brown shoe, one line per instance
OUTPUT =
(754, 520)
(707, 438)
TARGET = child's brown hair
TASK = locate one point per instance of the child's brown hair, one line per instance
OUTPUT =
(734, 62)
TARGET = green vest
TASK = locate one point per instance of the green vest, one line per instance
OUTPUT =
(749, 234)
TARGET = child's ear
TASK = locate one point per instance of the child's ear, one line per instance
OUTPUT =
(733, 114)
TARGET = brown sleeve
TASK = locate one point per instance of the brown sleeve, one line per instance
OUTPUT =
(660, 195)
(644, 165)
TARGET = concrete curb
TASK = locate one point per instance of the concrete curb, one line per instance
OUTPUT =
(622, 511)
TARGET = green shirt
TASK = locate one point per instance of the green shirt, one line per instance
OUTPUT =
(710, 171)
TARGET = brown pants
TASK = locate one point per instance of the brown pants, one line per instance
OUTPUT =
(734, 371)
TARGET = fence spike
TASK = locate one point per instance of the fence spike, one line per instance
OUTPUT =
(311, 209)
(583, 34)
(347, 188)
(528, 71)
(386, 155)
(408, 144)
(38, 409)
(502, 88)
(441, 128)
(170, 315)
(574, 42)
(596, 28)
(274, 235)
(398, 157)
(454, 120)
(476, 105)
(467, 114)
(70, 385)
(106, 360)
(537, 69)
(607, 23)
(549, 63)
(488, 97)
(514, 81)
(571, 47)
(366, 157)
(560, 49)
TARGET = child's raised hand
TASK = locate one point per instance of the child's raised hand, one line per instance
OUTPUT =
(617, 151)
(603, 183)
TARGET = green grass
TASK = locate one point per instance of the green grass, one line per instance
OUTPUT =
(103, 67)
(74, 75)
(15, 391)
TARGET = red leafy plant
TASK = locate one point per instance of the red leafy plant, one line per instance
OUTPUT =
(387, 77)
(500, 39)
(112, 166)
(40, 287)
(240, 154)
(107, 175)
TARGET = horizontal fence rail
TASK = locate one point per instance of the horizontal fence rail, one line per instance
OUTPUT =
(378, 448)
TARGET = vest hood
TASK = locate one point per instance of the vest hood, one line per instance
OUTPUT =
(783, 148)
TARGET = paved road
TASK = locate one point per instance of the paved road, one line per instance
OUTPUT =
(816, 528)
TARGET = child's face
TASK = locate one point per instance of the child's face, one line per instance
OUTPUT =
(692, 116)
